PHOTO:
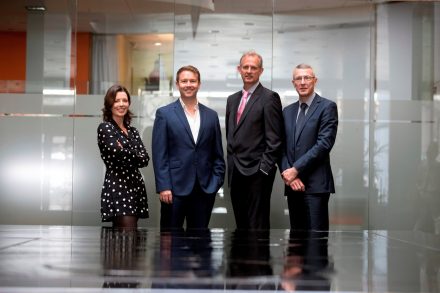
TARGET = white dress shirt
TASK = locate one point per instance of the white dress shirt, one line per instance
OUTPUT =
(193, 120)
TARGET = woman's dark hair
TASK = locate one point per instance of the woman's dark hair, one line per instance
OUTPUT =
(109, 100)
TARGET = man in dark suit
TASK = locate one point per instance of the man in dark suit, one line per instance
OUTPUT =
(254, 133)
(188, 158)
(311, 125)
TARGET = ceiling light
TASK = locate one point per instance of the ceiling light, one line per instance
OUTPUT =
(35, 8)
(158, 44)
(58, 92)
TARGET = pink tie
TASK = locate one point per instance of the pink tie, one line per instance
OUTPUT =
(242, 105)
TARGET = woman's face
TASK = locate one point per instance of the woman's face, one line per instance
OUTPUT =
(120, 106)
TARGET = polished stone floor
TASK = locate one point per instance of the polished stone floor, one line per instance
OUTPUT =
(95, 259)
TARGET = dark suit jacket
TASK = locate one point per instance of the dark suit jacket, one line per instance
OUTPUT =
(177, 160)
(256, 141)
(310, 154)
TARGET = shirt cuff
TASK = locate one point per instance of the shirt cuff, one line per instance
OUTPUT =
(265, 173)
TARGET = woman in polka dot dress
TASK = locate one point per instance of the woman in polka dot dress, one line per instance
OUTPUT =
(123, 197)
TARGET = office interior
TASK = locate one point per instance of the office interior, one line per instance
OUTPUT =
(378, 60)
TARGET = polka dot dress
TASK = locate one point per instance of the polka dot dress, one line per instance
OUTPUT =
(123, 191)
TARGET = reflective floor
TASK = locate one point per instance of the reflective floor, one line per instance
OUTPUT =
(95, 259)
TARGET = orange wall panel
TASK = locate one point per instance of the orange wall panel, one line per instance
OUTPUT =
(83, 42)
(13, 62)
(12, 55)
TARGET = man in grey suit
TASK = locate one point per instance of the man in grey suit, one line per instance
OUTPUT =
(310, 127)
(254, 133)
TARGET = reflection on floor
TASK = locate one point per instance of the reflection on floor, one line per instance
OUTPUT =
(92, 259)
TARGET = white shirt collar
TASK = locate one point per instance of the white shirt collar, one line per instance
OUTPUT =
(252, 88)
(309, 100)
(185, 107)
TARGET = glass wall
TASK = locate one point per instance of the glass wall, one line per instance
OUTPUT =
(378, 62)
(405, 161)
(335, 39)
(37, 100)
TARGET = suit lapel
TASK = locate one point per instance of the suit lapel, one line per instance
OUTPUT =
(181, 115)
(294, 115)
(202, 112)
(236, 103)
(253, 98)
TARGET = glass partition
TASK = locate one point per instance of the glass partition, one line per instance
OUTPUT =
(37, 98)
(405, 194)
(378, 61)
(318, 34)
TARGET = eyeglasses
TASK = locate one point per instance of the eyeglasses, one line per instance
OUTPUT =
(306, 78)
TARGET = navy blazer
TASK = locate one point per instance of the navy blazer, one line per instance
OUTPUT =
(310, 154)
(255, 143)
(178, 161)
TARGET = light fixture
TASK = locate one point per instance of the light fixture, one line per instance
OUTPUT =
(58, 92)
(35, 8)
(158, 44)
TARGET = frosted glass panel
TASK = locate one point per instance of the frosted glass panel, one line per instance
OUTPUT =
(36, 176)
(315, 37)
(405, 157)
(89, 169)
(21, 103)
(88, 173)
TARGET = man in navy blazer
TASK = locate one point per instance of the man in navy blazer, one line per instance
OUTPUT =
(187, 154)
(254, 133)
(310, 126)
